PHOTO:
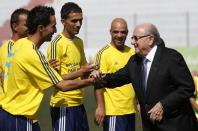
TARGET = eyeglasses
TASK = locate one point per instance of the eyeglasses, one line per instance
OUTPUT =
(136, 38)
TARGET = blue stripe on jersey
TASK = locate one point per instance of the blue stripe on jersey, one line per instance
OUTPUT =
(10, 44)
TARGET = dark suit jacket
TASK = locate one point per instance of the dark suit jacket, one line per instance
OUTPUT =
(169, 82)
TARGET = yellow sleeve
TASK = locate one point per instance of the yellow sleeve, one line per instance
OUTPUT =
(83, 60)
(39, 70)
(0, 59)
(195, 78)
(101, 61)
(3, 57)
(54, 51)
(3, 54)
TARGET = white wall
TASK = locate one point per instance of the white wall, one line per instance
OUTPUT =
(168, 15)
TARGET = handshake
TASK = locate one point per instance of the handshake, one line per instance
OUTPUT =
(88, 71)
(92, 71)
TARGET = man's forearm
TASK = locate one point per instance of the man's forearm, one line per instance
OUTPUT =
(72, 75)
(67, 85)
(99, 96)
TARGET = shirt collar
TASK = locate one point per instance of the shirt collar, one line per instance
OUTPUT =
(151, 54)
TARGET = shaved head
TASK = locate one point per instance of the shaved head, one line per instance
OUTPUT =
(119, 32)
(119, 22)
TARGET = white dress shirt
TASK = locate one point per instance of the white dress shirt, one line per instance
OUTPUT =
(150, 57)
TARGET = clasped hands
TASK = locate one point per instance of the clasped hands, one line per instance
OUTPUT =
(156, 113)
(88, 70)
(91, 71)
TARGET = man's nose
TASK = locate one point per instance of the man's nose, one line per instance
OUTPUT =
(120, 34)
(78, 23)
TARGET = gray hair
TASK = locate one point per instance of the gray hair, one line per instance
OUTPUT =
(154, 31)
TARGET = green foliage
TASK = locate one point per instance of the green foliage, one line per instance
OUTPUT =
(191, 56)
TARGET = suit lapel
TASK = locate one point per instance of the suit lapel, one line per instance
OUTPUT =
(138, 77)
(153, 71)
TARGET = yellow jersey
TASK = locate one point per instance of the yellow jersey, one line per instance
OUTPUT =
(195, 78)
(118, 101)
(70, 55)
(27, 75)
(4, 50)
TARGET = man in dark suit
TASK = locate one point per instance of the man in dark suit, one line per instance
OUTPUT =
(161, 80)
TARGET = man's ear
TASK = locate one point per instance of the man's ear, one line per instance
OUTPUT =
(14, 27)
(40, 28)
(152, 40)
(63, 21)
(110, 31)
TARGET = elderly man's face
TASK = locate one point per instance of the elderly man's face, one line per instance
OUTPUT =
(141, 41)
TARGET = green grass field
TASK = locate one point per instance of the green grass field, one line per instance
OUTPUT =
(191, 56)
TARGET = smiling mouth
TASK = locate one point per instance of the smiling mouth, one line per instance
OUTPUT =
(120, 41)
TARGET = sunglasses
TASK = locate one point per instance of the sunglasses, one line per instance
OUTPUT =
(136, 38)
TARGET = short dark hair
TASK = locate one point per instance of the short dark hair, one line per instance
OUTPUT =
(39, 15)
(68, 8)
(15, 16)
